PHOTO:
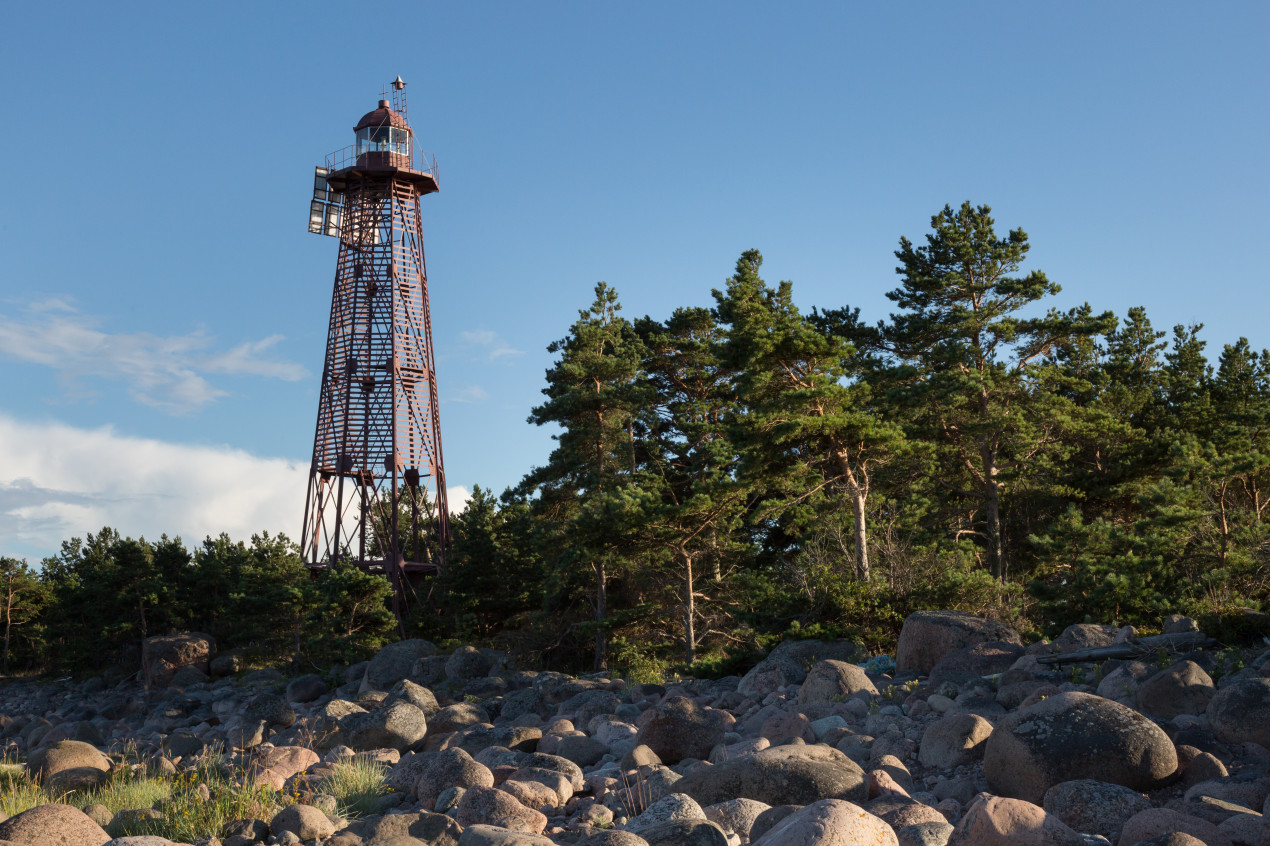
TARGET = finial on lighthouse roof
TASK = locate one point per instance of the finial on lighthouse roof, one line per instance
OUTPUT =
(398, 83)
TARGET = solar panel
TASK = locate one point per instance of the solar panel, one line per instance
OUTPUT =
(326, 209)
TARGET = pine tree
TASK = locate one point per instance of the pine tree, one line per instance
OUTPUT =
(24, 598)
(689, 458)
(495, 574)
(967, 359)
(592, 395)
(805, 428)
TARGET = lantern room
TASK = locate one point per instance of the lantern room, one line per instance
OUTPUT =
(383, 138)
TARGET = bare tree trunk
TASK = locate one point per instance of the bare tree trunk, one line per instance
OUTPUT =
(861, 536)
(858, 488)
(1225, 524)
(601, 612)
(690, 608)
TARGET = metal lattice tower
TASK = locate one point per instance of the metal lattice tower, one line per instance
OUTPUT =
(376, 492)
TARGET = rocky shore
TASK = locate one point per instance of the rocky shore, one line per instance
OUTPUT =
(968, 736)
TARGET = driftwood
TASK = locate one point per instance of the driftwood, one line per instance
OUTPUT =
(1134, 648)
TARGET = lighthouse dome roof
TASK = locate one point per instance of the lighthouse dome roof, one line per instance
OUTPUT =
(382, 116)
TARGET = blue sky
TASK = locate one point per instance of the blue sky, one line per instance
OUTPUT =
(163, 309)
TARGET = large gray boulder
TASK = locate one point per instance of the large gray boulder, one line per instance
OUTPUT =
(467, 662)
(953, 740)
(833, 681)
(769, 675)
(928, 636)
(394, 663)
(272, 708)
(450, 768)
(162, 657)
(433, 829)
(1240, 713)
(782, 775)
(998, 821)
(68, 765)
(736, 815)
(1094, 807)
(53, 825)
(973, 662)
(416, 694)
(678, 728)
(400, 726)
(673, 806)
(1073, 736)
(458, 716)
(1084, 636)
(306, 688)
(1183, 688)
(700, 832)
(829, 822)
(304, 821)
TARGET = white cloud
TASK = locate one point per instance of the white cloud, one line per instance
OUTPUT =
(495, 347)
(456, 497)
(52, 304)
(481, 337)
(165, 372)
(244, 360)
(59, 481)
(472, 393)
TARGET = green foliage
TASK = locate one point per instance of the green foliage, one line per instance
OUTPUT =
(23, 599)
(639, 663)
(184, 815)
(976, 377)
(807, 428)
(111, 591)
(358, 787)
(724, 478)
(495, 576)
(347, 617)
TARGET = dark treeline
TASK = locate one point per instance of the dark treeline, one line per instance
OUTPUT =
(730, 475)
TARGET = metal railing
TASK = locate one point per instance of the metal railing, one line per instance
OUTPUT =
(420, 160)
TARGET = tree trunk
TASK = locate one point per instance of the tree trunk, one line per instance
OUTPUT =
(601, 612)
(8, 625)
(1225, 524)
(858, 488)
(690, 609)
(861, 536)
(992, 509)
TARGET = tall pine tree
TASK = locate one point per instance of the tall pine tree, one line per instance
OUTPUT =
(967, 358)
(592, 394)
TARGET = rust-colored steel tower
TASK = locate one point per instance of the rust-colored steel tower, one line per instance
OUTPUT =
(376, 492)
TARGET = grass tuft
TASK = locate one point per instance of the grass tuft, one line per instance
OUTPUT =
(357, 785)
(187, 812)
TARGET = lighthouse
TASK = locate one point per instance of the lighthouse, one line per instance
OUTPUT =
(376, 490)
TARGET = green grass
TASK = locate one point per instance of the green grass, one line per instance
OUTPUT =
(187, 815)
(357, 785)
